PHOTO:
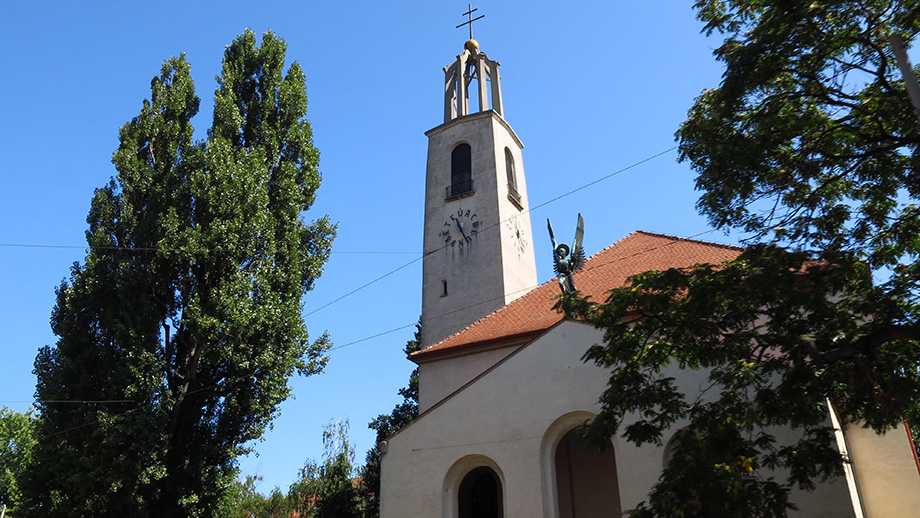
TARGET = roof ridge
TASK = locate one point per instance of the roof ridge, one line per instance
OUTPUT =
(687, 239)
(494, 311)
(599, 268)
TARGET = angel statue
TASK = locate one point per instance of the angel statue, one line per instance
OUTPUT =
(564, 264)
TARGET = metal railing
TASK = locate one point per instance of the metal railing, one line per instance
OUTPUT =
(459, 189)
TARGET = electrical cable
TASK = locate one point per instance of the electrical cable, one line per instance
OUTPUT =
(671, 242)
(494, 225)
(142, 406)
(149, 249)
(393, 330)
(675, 240)
(391, 272)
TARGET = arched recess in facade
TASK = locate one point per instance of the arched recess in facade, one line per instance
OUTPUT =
(669, 447)
(466, 480)
(577, 480)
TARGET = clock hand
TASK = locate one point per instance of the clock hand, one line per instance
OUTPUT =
(460, 226)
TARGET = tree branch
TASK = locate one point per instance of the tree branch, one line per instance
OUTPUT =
(868, 343)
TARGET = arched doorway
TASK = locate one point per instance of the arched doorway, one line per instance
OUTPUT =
(586, 480)
(480, 494)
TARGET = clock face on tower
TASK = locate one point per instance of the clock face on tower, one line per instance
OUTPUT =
(460, 229)
(516, 234)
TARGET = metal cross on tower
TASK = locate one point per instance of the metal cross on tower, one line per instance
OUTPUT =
(469, 22)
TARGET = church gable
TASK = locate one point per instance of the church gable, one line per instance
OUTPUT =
(449, 364)
(516, 419)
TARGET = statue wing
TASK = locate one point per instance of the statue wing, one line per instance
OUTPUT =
(553, 239)
(551, 236)
(578, 252)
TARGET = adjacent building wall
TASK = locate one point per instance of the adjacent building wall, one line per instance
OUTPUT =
(886, 472)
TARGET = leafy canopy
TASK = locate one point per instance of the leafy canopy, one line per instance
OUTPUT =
(17, 438)
(329, 488)
(810, 147)
(323, 489)
(181, 328)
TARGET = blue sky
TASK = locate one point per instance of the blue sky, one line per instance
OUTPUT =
(590, 88)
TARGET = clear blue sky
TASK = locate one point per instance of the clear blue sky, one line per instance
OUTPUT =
(590, 88)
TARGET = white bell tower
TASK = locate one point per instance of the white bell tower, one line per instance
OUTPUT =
(478, 241)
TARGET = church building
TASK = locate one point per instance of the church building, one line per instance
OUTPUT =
(502, 384)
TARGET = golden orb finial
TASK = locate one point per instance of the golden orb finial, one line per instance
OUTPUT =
(472, 46)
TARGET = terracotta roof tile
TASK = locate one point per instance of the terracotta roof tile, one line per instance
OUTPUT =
(533, 313)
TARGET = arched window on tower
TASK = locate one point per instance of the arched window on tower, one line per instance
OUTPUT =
(480, 494)
(461, 171)
(513, 194)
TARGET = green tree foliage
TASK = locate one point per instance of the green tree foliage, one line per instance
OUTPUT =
(810, 147)
(386, 425)
(244, 501)
(17, 438)
(323, 489)
(178, 334)
(339, 494)
(329, 489)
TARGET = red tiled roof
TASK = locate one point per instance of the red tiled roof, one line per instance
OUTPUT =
(533, 313)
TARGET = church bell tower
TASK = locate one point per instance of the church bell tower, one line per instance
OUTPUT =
(478, 241)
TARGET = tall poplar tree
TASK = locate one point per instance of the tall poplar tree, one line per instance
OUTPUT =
(180, 330)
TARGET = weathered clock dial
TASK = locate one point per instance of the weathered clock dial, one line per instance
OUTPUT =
(460, 229)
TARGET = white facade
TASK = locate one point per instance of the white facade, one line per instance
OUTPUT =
(513, 416)
(509, 418)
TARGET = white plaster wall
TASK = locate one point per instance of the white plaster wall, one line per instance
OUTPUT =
(510, 416)
(528, 393)
(438, 379)
(519, 267)
(472, 287)
(829, 500)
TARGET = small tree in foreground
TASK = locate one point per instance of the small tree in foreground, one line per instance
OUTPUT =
(179, 332)
(17, 439)
(810, 146)
(323, 489)
(329, 489)
(244, 501)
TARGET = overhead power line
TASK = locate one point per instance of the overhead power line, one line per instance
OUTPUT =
(413, 261)
(150, 249)
(348, 344)
(463, 308)
(495, 225)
